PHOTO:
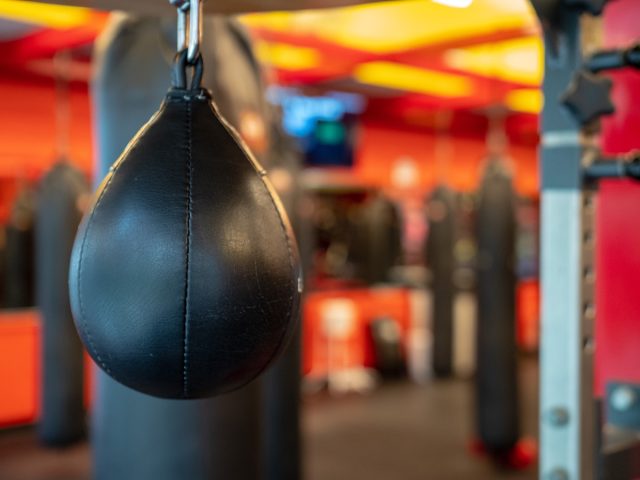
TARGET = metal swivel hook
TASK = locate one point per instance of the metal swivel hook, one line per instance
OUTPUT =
(189, 27)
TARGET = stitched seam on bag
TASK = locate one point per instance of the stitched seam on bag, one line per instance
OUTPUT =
(115, 166)
(187, 255)
(291, 266)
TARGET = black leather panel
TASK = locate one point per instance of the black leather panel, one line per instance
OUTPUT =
(184, 278)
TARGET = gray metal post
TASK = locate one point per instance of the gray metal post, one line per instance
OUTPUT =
(568, 450)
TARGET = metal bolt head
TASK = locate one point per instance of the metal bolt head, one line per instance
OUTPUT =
(558, 416)
(623, 398)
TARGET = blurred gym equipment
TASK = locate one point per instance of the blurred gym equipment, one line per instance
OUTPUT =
(496, 380)
(439, 254)
(200, 439)
(61, 196)
(19, 252)
(375, 239)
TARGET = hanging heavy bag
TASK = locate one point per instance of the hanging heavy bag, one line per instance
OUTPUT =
(135, 436)
(60, 197)
(184, 278)
(281, 430)
(19, 254)
(3, 262)
(376, 239)
(440, 258)
(496, 372)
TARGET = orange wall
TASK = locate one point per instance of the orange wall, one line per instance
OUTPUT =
(19, 367)
(28, 136)
(28, 143)
(456, 160)
(28, 133)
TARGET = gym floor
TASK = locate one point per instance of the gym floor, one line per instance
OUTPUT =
(401, 431)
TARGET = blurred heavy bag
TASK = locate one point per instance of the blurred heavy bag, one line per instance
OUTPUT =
(19, 252)
(60, 198)
(3, 260)
(496, 366)
(136, 436)
(440, 259)
(281, 431)
(375, 239)
(281, 423)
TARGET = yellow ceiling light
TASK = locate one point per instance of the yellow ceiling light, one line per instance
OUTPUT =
(455, 3)
(53, 16)
(302, 22)
(287, 57)
(525, 100)
(518, 60)
(413, 79)
(401, 25)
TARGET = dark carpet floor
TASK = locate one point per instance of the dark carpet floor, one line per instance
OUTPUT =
(400, 432)
(405, 432)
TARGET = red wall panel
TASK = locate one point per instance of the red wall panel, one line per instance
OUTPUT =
(618, 229)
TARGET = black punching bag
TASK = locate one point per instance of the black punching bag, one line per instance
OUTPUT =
(184, 276)
(376, 239)
(19, 252)
(496, 366)
(136, 436)
(61, 195)
(281, 383)
(439, 256)
(242, 103)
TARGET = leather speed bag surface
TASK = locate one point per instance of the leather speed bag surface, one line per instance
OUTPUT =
(184, 278)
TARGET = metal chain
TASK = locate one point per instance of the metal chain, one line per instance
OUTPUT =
(189, 27)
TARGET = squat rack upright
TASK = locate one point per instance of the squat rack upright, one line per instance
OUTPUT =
(573, 443)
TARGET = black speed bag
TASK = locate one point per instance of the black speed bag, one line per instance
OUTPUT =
(185, 278)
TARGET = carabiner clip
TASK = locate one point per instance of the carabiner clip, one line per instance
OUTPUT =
(189, 27)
